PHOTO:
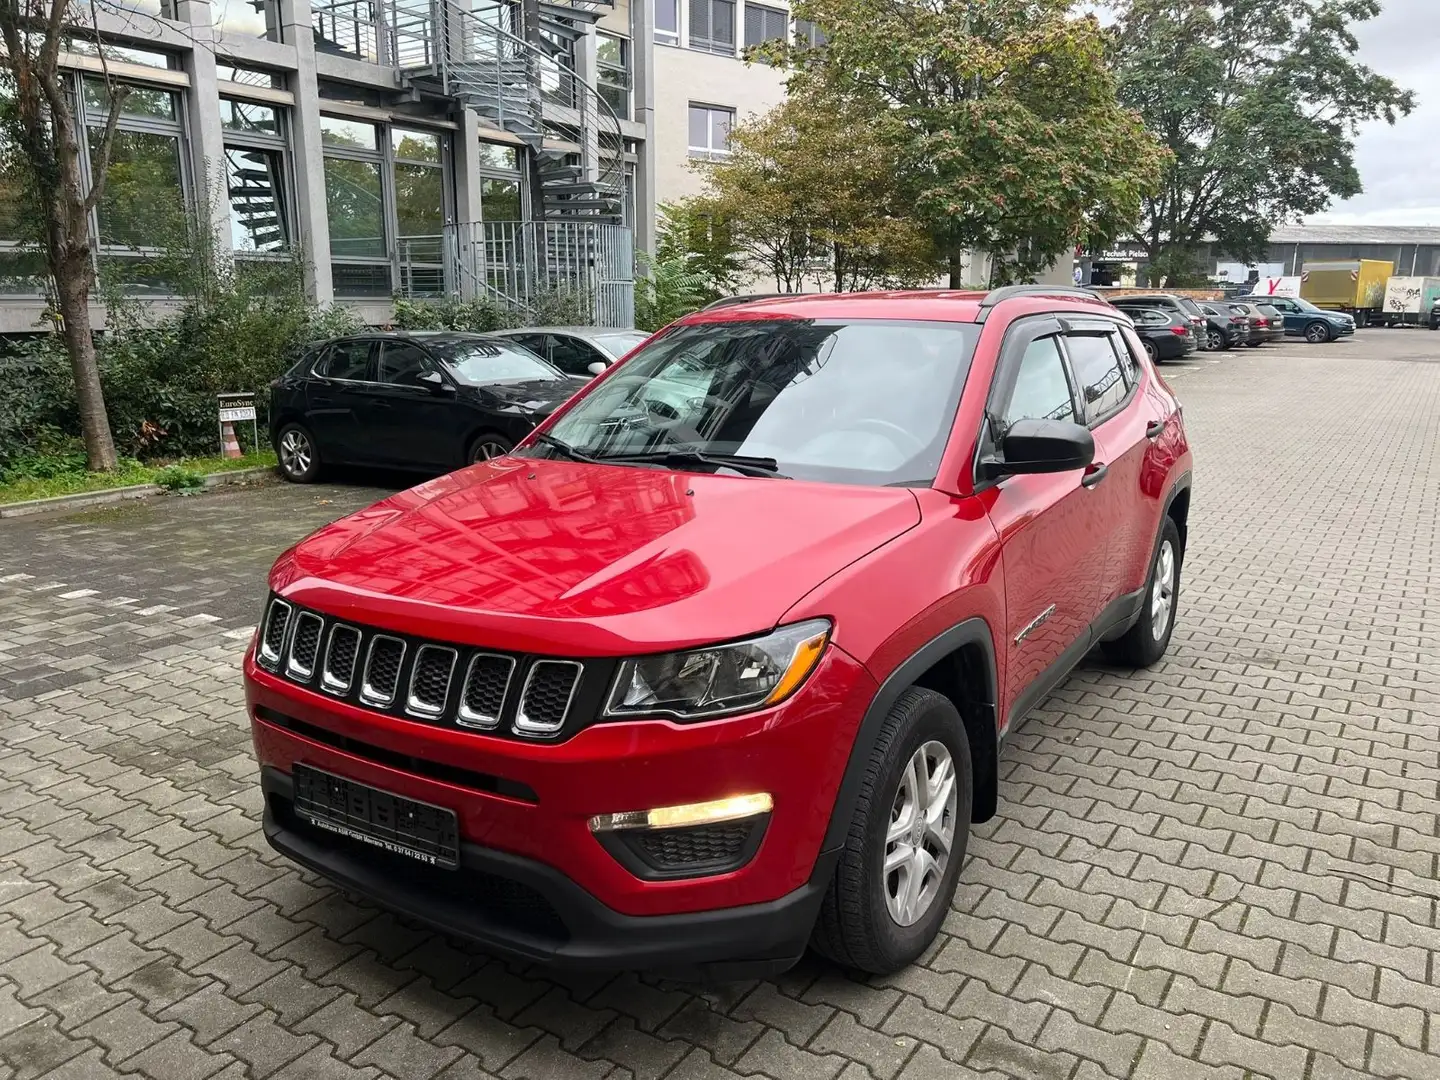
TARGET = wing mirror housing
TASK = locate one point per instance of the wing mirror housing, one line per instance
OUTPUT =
(595, 367)
(435, 382)
(1040, 446)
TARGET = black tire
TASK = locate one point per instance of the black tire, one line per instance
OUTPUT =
(297, 453)
(487, 445)
(1254, 344)
(1142, 645)
(1150, 350)
(855, 927)
(1317, 332)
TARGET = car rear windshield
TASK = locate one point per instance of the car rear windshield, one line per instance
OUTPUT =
(864, 402)
(1189, 306)
(493, 361)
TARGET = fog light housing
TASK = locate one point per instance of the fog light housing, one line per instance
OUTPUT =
(687, 841)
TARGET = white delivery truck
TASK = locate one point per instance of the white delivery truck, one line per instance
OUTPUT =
(1408, 300)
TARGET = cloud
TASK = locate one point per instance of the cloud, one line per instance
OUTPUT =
(1400, 165)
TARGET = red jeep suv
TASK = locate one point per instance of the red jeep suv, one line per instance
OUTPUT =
(719, 662)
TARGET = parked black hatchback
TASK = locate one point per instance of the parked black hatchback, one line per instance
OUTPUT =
(430, 402)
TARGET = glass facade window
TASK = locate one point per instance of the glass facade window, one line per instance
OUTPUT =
(249, 116)
(496, 156)
(247, 18)
(764, 24)
(125, 54)
(387, 201)
(228, 71)
(255, 179)
(667, 22)
(712, 25)
(710, 130)
(811, 33)
(141, 101)
(354, 208)
(612, 76)
(143, 205)
(350, 134)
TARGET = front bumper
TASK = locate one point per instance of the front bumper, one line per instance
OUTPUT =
(522, 908)
(533, 799)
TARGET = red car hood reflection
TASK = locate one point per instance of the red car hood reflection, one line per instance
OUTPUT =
(554, 556)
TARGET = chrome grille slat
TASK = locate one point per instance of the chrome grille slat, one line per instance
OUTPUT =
(381, 680)
(304, 646)
(342, 653)
(430, 677)
(482, 698)
(549, 689)
(468, 688)
(272, 639)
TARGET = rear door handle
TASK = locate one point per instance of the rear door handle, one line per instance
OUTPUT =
(1154, 429)
(1093, 475)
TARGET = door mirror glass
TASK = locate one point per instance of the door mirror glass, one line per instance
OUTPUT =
(596, 368)
(1043, 446)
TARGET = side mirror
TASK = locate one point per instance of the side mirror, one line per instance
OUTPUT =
(436, 382)
(1041, 446)
(595, 368)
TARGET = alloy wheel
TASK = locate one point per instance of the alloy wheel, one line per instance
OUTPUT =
(296, 453)
(920, 834)
(1214, 342)
(1162, 596)
(486, 449)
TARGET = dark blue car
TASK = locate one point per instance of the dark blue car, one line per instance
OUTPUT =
(1304, 319)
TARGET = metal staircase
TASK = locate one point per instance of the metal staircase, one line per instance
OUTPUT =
(472, 55)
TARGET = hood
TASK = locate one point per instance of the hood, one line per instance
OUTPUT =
(539, 396)
(563, 557)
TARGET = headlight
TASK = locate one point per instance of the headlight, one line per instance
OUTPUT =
(721, 679)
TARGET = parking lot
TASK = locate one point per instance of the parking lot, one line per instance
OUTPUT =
(1225, 866)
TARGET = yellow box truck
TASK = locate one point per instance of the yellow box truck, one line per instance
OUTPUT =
(1354, 286)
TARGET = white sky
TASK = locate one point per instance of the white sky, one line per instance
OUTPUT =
(1399, 166)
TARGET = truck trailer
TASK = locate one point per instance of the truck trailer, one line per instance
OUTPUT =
(1408, 300)
(1354, 286)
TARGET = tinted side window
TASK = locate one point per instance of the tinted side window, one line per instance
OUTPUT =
(1130, 352)
(571, 355)
(1041, 392)
(1097, 370)
(534, 342)
(402, 364)
(1190, 306)
(347, 360)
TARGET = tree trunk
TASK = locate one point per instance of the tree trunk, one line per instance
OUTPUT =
(94, 420)
(957, 272)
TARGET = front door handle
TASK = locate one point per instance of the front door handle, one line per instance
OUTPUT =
(382, 405)
(1154, 429)
(1093, 475)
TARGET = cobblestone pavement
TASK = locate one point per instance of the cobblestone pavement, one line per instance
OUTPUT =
(1226, 864)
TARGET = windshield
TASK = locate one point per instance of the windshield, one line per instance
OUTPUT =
(1304, 305)
(494, 361)
(854, 403)
(617, 345)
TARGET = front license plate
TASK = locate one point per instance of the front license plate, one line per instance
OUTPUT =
(390, 822)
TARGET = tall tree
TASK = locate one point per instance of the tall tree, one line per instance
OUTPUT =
(1001, 116)
(809, 191)
(1258, 102)
(41, 149)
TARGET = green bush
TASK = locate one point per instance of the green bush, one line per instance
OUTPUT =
(177, 478)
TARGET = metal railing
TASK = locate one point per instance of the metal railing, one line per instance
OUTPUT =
(519, 262)
(478, 59)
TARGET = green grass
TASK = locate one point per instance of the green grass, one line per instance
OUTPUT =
(176, 475)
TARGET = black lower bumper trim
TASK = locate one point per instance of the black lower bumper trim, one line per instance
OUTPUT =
(577, 930)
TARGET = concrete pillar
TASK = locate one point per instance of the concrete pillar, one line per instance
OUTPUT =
(306, 153)
(206, 136)
(465, 154)
(642, 63)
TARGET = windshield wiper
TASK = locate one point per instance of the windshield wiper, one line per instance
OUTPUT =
(747, 466)
(565, 449)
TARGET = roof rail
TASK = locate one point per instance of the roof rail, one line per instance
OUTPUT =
(729, 301)
(1009, 292)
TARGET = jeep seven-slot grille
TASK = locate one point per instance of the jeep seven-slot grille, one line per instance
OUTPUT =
(434, 682)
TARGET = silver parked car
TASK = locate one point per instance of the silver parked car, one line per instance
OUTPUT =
(576, 350)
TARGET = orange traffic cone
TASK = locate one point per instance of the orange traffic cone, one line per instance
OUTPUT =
(229, 444)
